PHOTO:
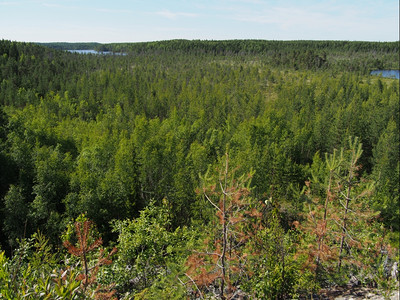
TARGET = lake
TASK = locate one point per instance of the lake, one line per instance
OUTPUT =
(96, 52)
(387, 73)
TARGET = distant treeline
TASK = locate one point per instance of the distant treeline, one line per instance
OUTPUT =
(72, 46)
(233, 46)
(344, 55)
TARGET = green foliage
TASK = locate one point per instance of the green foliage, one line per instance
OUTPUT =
(386, 172)
(115, 136)
(275, 273)
(149, 251)
(15, 214)
(387, 284)
(33, 273)
(50, 187)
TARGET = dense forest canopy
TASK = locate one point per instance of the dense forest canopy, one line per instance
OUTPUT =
(180, 138)
(352, 56)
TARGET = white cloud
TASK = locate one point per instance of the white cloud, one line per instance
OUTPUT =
(107, 10)
(324, 20)
(173, 15)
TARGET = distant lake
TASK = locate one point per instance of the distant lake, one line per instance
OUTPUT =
(387, 73)
(96, 52)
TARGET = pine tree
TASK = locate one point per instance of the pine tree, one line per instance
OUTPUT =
(86, 244)
(222, 262)
(339, 221)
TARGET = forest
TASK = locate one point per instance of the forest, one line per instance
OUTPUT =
(240, 169)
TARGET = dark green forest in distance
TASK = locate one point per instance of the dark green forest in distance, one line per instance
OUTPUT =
(344, 55)
(197, 169)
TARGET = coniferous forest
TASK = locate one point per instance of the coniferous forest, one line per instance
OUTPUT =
(197, 169)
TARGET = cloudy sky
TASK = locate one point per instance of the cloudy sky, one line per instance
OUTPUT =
(151, 20)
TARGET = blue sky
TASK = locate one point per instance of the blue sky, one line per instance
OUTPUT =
(151, 20)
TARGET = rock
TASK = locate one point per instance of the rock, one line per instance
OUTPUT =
(353, 282)
(395, 272)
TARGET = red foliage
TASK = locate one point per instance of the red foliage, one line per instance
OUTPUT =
(89, 273)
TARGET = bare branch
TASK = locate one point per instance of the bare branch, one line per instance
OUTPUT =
(181, 282)
(208, 198)
(345, 229)
(191, 279)
(207, 253)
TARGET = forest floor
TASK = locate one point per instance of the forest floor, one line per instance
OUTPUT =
(356, 294)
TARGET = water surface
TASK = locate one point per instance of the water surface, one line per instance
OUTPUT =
(96, 52)
(387, 73)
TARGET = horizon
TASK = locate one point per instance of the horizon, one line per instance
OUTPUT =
(136, 21)
(192, 40)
